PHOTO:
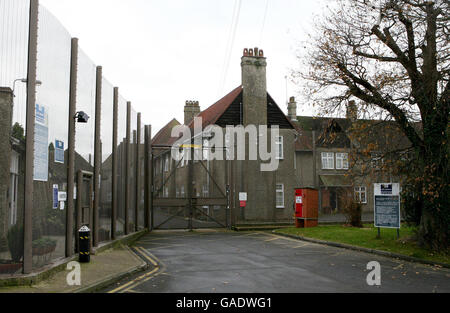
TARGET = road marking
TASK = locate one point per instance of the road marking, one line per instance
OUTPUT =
(272, 239)
(146, 276)
(158, 270)
(301, 246)
(142, 251)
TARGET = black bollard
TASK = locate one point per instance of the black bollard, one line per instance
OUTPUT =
(84, 244)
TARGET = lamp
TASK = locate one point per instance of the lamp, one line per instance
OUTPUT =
(81, 117)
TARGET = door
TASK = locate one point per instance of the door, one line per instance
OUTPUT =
(85, 203)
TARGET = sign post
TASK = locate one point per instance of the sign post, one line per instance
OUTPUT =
(387, 207)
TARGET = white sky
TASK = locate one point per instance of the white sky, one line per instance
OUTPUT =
(161, 53)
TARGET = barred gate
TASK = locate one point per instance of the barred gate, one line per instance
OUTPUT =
(178, 202)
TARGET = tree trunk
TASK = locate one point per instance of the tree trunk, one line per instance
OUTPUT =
(434, 231)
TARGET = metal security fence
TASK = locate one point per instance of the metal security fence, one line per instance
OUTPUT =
(58, 169)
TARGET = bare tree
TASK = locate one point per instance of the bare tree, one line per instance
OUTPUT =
(395, 57)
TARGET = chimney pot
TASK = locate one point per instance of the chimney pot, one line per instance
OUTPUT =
(191, 110)
(292, 109)
(352, 110)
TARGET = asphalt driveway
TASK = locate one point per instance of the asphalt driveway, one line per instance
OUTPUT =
(259, 262)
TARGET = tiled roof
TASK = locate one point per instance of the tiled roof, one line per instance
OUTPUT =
(215, 111)
(164, 136)
(371, 131)
(304, 140)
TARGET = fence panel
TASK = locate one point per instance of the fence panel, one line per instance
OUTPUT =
(51, 139)
(84, 132)
(14, 26)
(132, 172)
(121, 149)
(106, 137)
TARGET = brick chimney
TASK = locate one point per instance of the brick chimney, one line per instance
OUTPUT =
(191, 110)
(352, 110)
(292, 109)
(254, 84)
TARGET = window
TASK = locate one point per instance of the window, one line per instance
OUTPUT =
(166, 192)
(280, 196)
(206, 150)
(328, 160)
(377, 160)
(279, 143)
(205, 191)
(342, 161)
(177, 192)
(13, 190)
(182, 192)
(361, 194)
(166, 164)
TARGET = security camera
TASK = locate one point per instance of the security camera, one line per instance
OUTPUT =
(82, 117)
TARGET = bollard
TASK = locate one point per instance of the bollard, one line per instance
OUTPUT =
(84, 244)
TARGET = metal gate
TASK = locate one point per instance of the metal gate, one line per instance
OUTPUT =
(188, 194)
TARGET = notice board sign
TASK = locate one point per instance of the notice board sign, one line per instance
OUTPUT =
(387, 205)
(41, 144)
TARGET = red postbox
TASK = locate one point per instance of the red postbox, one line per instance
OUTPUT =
(299, 203)
(306, 207)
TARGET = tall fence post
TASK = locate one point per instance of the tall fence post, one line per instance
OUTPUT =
(190, 185)
(114, 164)
(71, 148)
(138, 173)
(97, 155)
(29, 149)
(127, 168)
(148, 183)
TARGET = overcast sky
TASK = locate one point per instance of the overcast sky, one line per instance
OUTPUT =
(161, 53)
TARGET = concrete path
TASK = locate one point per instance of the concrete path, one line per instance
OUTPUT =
(258, 262)
(103, 267)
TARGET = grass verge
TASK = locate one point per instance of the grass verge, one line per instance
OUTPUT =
(367, 237)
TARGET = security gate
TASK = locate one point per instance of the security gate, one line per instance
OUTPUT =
(188, 194)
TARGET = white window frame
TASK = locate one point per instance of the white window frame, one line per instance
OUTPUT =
(279, 189)
(359, 191)
(342, 161)
(327, 157)
(279, 143)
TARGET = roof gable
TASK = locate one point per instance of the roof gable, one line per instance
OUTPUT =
(164, 136)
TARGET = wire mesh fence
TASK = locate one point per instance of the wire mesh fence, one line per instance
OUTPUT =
(58, 80)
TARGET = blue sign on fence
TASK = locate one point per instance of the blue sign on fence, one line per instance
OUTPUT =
(59, 151)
